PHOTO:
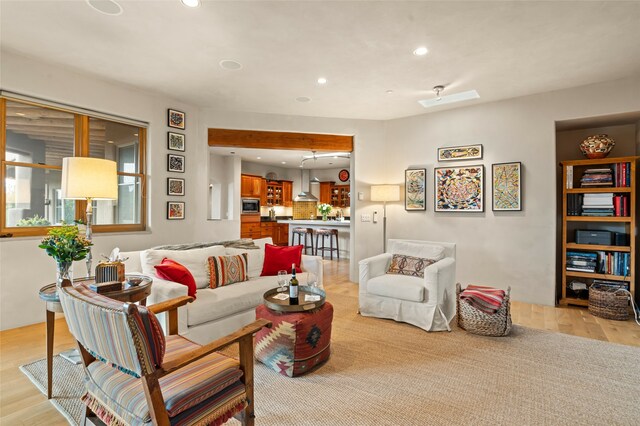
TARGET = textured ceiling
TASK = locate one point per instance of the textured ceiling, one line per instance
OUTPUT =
(364, 49)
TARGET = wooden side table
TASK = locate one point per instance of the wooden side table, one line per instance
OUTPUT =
(49, 294)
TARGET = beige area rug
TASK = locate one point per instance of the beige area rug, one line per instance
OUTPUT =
(386, 373)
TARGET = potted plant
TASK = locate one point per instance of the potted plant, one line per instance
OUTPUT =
(324, 210)
(65, 245)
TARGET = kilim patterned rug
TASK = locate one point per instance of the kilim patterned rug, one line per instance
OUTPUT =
(387, 373)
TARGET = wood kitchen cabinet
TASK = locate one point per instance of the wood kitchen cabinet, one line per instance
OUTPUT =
(250, 226)
(250, 186)
(325, 192)
(287, 193)
(263, 192)
(279, 232)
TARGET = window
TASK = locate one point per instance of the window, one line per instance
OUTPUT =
(33, 141)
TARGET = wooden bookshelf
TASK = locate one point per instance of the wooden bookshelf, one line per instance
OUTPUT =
(626, 224)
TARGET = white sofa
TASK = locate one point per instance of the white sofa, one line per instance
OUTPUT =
(215, 312)
(428, 303)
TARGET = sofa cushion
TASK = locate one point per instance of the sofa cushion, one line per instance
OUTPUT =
(278, 258)
(195, 261)
(173, 271)
(408, 265)
(397, 287)
(425, 251)
(255, 259)
(225, 270)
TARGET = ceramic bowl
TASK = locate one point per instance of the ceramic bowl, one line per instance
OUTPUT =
(597, 146)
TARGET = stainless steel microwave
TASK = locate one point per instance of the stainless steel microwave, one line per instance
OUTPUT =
(250, 205)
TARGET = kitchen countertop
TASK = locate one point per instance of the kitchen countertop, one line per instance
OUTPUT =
(326, 223)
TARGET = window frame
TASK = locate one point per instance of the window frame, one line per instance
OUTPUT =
(80, 149)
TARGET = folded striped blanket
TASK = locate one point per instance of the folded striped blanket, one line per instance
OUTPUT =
(486, 299)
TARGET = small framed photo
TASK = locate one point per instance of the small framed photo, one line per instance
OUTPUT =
(176, 119)
(175, 163)
(415, 189)
(175, 210)
(175, 141)
(506, 181)
(175, 186)
(456, 153)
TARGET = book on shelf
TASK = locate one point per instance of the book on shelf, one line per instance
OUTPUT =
(569, 182)
(579, 261)
(597, 177)
(574, 204)
(622, 175)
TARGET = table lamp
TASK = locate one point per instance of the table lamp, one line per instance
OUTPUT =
(385, 193)
(89, 179)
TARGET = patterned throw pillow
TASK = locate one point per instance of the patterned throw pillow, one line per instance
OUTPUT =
(409, 265)
(225, 270)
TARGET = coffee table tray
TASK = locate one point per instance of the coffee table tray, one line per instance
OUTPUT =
(284, 306)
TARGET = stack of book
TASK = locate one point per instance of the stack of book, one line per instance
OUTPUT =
(598, 204)
(582, 261)
(622, 175)
(597, 178)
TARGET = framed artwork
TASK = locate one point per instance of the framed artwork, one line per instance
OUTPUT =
(455, 153)
(175, 163)
(506, 179)
(459, 189)
(343, 175)
(175, 141)
(176, 119)
(175, 210)
(415, 189)
(175, 186)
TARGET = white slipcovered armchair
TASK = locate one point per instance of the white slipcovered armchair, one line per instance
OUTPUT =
(428, 303)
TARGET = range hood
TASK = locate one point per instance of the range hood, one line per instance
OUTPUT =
(305, 195)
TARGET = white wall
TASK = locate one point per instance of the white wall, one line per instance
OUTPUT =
(503, 249)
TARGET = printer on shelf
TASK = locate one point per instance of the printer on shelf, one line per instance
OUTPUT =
(604, 238)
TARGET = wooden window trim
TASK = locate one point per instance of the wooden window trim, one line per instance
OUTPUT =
(81, 149)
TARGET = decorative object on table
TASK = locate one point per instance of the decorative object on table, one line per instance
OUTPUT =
(324, 210)
(506, 181)
(65, 245)
(176, 119)
(385, 193)
(175, 141)
(597, 146)
(175, 163)
(85, 178)
(610, 302)
(459, 189)
(343, 175)
(455, 153)
(415, 189)
(484, 310)
(175, 186)
(106, 287)
(111, 269)
(175, 210)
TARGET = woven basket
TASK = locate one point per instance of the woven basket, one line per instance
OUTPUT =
(609, 302)
(477, 322)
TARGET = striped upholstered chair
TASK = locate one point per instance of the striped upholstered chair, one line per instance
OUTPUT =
(137, 376)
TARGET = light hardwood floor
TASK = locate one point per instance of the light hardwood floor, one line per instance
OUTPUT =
(22, 404)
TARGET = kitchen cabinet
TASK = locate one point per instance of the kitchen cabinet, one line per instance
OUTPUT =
(325, 192)
(250, 186)
(279, 232)
(250, 226)
(287, 193)
(263, 192)
(336, 195)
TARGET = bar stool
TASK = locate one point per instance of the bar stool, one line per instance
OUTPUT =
(331, 234)
(302, 234)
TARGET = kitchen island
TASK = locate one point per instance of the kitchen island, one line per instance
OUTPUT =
(343, 228)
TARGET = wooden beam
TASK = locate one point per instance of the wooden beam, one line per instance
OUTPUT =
(279, 140)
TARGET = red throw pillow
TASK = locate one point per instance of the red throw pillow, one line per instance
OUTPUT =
(173, 271)
(277, 258)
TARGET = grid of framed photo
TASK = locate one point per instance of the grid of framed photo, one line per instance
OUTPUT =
(175, 164)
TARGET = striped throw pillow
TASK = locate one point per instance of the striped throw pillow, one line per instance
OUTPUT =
(409, 265)
(225, 270)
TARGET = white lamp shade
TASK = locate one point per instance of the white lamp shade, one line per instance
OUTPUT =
(84, 177)
(385, 192)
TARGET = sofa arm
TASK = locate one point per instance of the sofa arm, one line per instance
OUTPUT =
(373, 267)
(440, 281)
(313, 264)
(163, 290)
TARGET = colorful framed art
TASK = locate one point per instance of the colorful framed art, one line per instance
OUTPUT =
(459, 189)
(175, 163)
(175, 186)
(176, 119)
(175, 210)
(455, 153)
(415, 189)
(175, 141)
(506, 180)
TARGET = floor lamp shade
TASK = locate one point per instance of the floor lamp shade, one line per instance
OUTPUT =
(94, 178)
(385, 193)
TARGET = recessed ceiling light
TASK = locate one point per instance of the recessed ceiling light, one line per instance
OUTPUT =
(335, 156)
(330, 163)
(107, 7)
(303, 99)
(259, 158)
(322, 80)
(389, 91)
(135, 134)
(229, 64)
(284, 162)
(191, 3)
(420, 51)
(232, 152)
(21, 114)
(109, 141)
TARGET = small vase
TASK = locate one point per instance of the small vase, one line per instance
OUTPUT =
(64, 271)
(324, 216)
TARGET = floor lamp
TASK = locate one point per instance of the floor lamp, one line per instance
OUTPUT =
(385, 193)
(89, 179)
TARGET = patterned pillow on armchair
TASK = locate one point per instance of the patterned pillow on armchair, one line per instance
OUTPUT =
(409, 265)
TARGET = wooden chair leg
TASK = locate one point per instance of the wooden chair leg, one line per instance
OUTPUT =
(331, 247)
(51, 322)
(337, 247)
(246, 365)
